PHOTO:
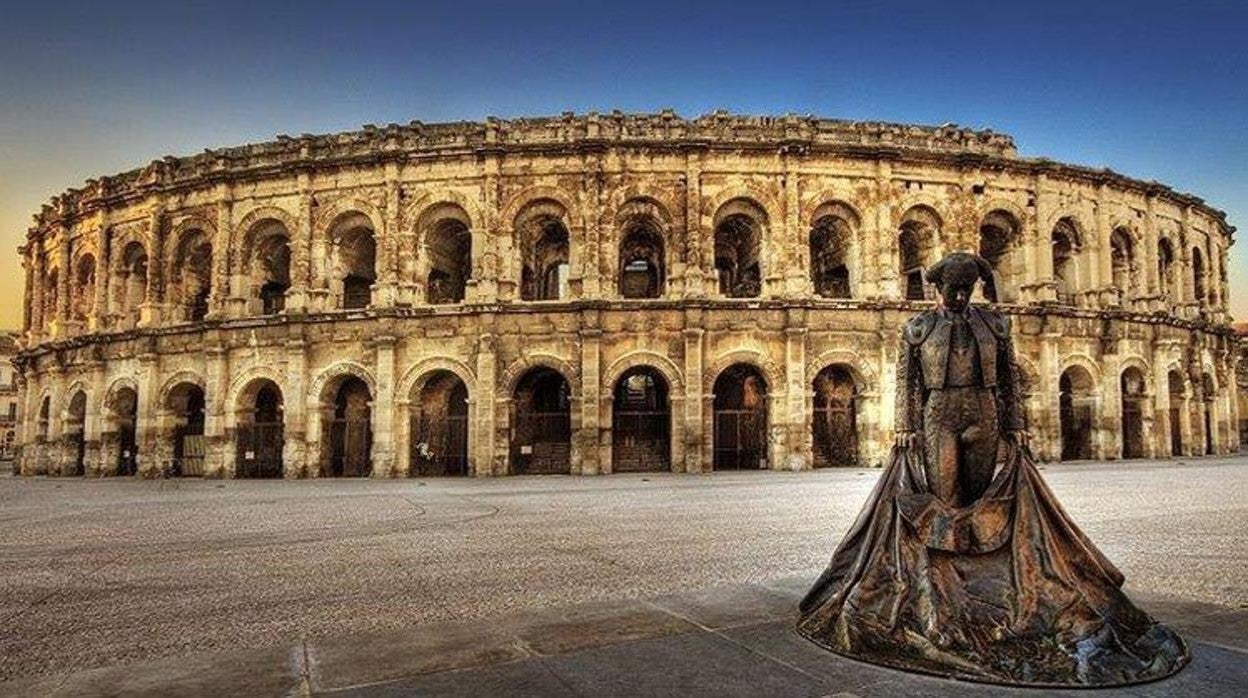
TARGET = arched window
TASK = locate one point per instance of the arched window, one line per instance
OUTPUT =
(1077, 413)
(76, 431)
(190, 283)
(51, 293)
(998, 238)
(355, 259)
(831, 239)
(1178, 397)
(1122, 261)
(348, 452)
(739, 419)
(1066, 243)
(542, 430)
(641, 261)
(640, 422)
(1165, 269)
(738, 249)
(185, 407)
(82, 295)
(259, 431)
(1133, 398)
(130, 284)
(448, 245)
(1198, 274)
(268, 266)
(544, 251)
(439, 426)
(834, 421)
(918, 247)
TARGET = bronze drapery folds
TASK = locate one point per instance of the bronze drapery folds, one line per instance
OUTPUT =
(963, 563)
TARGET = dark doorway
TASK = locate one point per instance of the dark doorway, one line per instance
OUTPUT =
(640, 423)
(1076, 411)
(1132, 386)
(125, 409)
(77, 432)
(1177, 396)
(186, 402)
(261, 433)
(834, 422)
(740, 419)
(542, 434)
(439, 441)
(350, 432)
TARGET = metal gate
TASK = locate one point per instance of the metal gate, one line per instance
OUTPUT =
(127, 451)
(188, 454)
(740, 439)
(640, 441)
(350, 446)
(259, 450)
(542, 443)
(1176, 433)
(1132, 429)
(835, 435)
(1076, 430)
(439, 445)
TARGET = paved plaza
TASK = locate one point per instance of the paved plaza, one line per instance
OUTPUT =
(97, 573)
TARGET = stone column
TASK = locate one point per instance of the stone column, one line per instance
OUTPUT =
(795, 451)
(62, 281)
(219, 435)
(153, 294)
(98, 320)
(590, 437)
(697, 459)
(486, 458)
(1041, 280)
(1102, 251)
(1047, 432)
(300, 238)
(882, 248)
(383, 408)
(146, 425)
(224, 301)
(589, 252)
(296, 454)
(92, 429)
(796, 253)
(699, 275)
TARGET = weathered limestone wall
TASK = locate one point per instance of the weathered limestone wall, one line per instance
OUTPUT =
(153, 280)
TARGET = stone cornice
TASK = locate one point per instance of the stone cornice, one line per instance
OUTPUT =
(800, 135)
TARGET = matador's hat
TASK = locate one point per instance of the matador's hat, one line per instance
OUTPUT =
(959, 268)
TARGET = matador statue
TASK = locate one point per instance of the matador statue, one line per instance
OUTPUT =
(962, 563)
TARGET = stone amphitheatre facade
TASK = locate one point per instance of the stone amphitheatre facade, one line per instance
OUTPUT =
(599, 293)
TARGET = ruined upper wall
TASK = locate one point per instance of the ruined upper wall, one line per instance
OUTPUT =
(570, 132)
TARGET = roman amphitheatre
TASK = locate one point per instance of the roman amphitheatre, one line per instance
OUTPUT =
(599, 293)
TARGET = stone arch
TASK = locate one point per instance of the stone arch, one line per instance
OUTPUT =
(645, 358)
(740, 247)
(243, 231)
(642, 233)
(826, 201)
(340, 369)
(117, 385)
(423, 367)
(190, 265)
(423, 201)
(352, 266)
(755, 195)
(181, 231)
(864, 373)
(328, 215)
(1138, 362)
(542, 231)
(191, 377)
(753, 357)
(1000, 239)
(1082, 361)
(920, 232)
(67, 396)
(515, 371)
(246, 380)
(443, 259)
(529, 196)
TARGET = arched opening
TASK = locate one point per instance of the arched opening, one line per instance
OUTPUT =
(542, 433)
(1208, 391)
(439, 434)
(1198, 274)
(834, 421)
(830, 241)
(1122, 261)
(82, 296)
(738, 250)
(356, 259)
(42, 424)
(1178, 394)
(1132, 389)
(641, 422)
(641, 261)
(1165, 269)
(260, 431)
(350, 433)
(51, 292)
(544, 252)
(448, 246)
(1077, 413)
(998, 237)
(191, 279)
(186, 406)
(123, 409)
(268, 265)
(1066, 242)
(130, 285)
(918, 246)
(740, 419)
(76, 432)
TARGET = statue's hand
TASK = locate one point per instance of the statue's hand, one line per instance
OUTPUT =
(907, 439)
(1020, 437)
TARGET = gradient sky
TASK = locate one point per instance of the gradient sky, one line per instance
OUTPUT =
(1152, 91)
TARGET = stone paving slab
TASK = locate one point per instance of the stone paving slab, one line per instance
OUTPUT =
(726, 641)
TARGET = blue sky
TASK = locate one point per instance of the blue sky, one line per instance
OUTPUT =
(1153, 91)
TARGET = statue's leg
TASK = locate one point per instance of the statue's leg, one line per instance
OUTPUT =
(940, 444)
(979, 448)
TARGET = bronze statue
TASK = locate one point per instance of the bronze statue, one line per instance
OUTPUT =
(962, 562)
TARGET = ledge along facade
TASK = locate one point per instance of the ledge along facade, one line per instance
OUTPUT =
(599, 293)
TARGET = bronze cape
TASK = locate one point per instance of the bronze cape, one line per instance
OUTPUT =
(1005, 590)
